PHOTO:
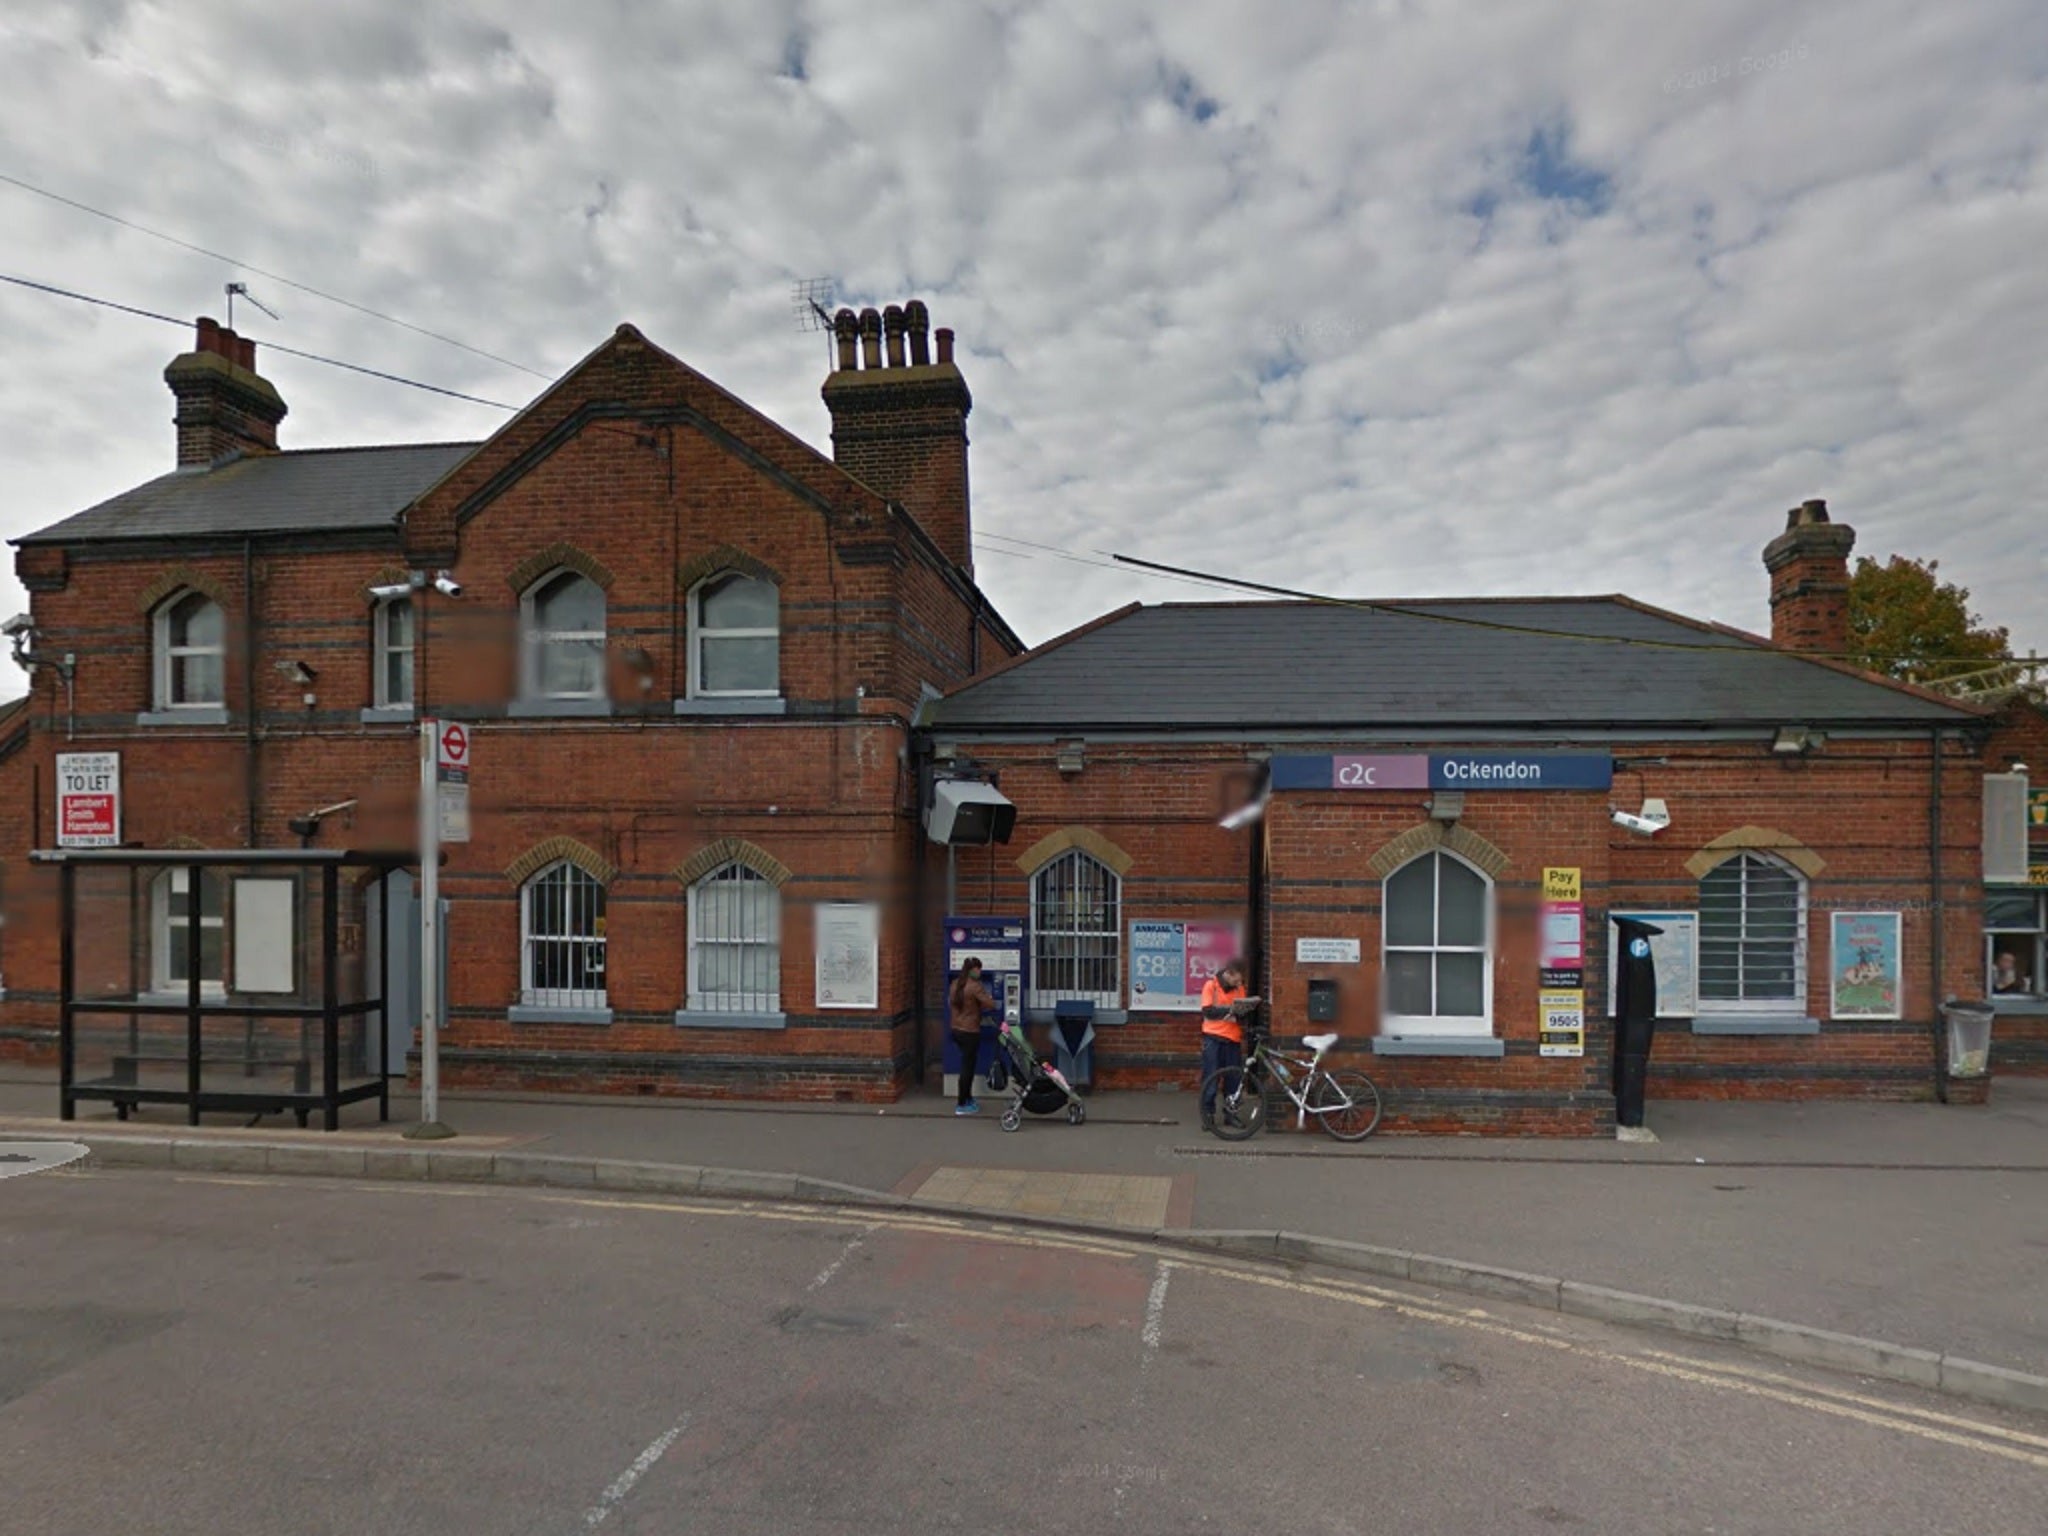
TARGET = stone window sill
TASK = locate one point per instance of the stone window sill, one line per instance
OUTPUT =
(558, 709)
(388, 714)
(1754, 1024)
(715, 1018)
(2020, 1005)
(211, 714)
(733, 706)
(1438, 1045)
(533, 1013)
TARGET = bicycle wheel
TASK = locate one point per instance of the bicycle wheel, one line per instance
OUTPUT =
(1347, 1103)
(1240, 1102)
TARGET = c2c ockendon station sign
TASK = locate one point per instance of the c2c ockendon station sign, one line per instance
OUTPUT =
(1443, 770)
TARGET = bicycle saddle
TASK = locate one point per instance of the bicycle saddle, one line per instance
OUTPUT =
(1319, 1043)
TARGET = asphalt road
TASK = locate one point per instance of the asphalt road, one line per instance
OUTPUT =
(186, 1354)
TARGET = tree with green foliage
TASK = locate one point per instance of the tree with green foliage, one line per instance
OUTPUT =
(1906, 622)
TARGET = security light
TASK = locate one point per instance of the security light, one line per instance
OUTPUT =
(1796, 740)
(20, 624)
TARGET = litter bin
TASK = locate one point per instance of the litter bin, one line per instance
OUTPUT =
(1969, 1038)
(1074, 1041)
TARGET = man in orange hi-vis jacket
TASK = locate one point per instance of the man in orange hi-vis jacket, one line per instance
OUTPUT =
(1223, 1003)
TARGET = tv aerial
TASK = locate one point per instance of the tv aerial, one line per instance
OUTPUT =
(242, 289)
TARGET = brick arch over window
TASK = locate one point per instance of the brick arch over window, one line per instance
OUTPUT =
(1051, 846)
(1461, 840)
(719, 561)
(179, 578)
(732, 850)
(1756, 840)
(563, 557)
(386, 576)
(550, 850)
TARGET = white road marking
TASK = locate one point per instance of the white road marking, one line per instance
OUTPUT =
(1896, 1417)
(1155, 1312)
(824, 1277)
(622, 1485)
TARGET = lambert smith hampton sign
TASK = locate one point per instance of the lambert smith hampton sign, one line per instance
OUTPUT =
(1445, 770)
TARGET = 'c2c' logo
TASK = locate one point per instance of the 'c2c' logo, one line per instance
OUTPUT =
(19, 1157)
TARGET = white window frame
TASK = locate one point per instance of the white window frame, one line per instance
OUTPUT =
(1476, 1026)
(741, 1001)
(1070, 865)
(533, 995)
(382, 650)
(167, 929)
(533, 639)
(1757, 1007)
(2036, 939)
(167, 655)
(699, 633)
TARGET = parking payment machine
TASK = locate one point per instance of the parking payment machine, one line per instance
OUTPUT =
(999, 944)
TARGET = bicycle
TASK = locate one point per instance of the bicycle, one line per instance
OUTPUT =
(1346, 1103)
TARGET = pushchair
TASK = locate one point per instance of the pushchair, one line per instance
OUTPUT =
(1035, 1085)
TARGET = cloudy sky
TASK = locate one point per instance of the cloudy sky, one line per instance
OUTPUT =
(1393, 298)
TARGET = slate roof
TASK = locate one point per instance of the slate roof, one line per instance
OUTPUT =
(309, 490)
(1296, 665)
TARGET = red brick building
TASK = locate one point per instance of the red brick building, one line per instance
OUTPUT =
(1428, 769)
(710, 675)
(689, 649)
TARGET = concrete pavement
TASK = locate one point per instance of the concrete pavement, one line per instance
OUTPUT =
(1926, 1225)
(197, 1353)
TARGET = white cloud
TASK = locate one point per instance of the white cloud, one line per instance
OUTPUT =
(1395, 298)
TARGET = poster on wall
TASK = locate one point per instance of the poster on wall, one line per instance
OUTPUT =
(1863, 965)
(1561, 1021)
(88, 799)
(1677, 953)
(1170, 961)
(848, 954)
(1562, 952)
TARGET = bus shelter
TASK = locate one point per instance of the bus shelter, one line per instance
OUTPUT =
(223, 980)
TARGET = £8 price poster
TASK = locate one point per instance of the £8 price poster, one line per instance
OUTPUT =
(1170, 961)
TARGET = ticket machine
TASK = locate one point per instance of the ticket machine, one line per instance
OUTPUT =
(999, 943)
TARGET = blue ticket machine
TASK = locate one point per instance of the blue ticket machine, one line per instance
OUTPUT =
(999, 944)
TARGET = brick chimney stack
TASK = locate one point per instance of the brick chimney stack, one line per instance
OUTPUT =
(1809, 566)
(225, 407)
(899, 419)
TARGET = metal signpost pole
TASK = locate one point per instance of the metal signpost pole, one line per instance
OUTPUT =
(430, 1127)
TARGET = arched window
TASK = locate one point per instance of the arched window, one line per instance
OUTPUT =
(1753, 937)
(562, 619)
(735, 640)
(172, 912)
(1076, 932)
(562, 939)
(735, 942)
(1437, 940)
(191, 652)
(392, 643)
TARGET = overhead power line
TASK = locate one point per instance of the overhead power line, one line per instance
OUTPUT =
(1415, 611)
(318, 293)
(274, 346)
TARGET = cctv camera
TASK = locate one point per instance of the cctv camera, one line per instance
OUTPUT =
(447, 585)
(20, 624)
(1642, 826)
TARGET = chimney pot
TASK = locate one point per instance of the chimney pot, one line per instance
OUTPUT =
(905, 436)
(221, 411)
(1809, 569)
(919, 322)
(846, 330)
(944, 337)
